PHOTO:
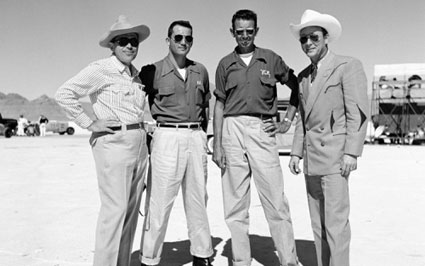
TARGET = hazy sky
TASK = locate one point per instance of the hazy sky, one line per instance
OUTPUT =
(45, 42)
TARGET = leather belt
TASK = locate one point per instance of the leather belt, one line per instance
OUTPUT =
(262, 117)
(128, 127)
(180, 125)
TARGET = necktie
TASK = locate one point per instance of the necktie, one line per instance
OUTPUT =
(313, 72)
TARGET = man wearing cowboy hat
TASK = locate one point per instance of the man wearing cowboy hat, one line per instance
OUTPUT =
(329, 134)
(178, 90)
(118, 138)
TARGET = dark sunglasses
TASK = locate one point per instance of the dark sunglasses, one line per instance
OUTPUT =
(179, 38)
(123, 41)
(247, 31)
(312, 37)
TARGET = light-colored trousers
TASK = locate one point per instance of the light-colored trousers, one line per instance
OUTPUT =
(42, 129)
(121, 160)
(178, 158)
(251, 152)
(329, 204)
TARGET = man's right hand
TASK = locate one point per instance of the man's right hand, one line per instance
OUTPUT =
(294, 165)
(219, 158)
(102, 125)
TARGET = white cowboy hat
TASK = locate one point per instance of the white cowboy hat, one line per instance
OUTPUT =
(314, 18)
(123, 26)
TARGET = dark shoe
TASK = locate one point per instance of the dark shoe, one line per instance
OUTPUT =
(197, 261)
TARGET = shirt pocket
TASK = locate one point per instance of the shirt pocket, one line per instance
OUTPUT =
(268, 87)
(200, 94)
(116, 95)
(139, 96)
(167, 96)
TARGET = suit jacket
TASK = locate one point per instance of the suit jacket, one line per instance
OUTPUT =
(332, 119)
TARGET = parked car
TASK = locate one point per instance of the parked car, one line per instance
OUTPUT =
(60, 127)
(32, 129)
(8, 126)
(284, 141)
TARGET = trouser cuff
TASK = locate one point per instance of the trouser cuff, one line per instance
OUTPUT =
(242, 263)
(149, 261)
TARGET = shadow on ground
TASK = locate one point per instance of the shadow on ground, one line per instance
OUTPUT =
(175, 253)
(262, 250)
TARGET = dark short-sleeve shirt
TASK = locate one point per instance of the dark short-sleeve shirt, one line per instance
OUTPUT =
(173, 98)
(251, 90)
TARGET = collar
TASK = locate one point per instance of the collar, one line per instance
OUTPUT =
(169, 66)
(258, 54)
(322, 59)
(122, 68)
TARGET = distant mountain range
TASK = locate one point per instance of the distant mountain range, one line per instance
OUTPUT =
(12, 105)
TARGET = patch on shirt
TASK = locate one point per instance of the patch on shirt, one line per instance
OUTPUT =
(265, 72)
(198, 82)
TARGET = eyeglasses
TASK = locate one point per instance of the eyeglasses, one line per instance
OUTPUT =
(178, 38)
(247, 31)
(312, 37)
(123, 41)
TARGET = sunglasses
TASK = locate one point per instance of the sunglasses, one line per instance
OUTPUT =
(312, 37)
(179, 38)
(247, 31)
(123, 41)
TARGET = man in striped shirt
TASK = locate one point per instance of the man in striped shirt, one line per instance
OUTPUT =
(118, 138)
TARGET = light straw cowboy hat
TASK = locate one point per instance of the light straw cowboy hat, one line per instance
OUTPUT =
(123, 26)
(314, 18)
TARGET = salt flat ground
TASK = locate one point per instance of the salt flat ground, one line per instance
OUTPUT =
(49, 205)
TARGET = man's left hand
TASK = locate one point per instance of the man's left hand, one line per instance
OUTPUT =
(348, 164)
(272, 127)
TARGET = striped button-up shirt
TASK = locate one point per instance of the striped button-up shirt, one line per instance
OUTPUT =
(113, 92)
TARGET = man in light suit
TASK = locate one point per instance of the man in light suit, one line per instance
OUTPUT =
(329, 134)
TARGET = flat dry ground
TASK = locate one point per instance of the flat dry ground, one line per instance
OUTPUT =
(49, 206)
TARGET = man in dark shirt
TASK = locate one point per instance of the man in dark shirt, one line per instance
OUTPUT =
(245, 142)
(42, 121)
(178, 91)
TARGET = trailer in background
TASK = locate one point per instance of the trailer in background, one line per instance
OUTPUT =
(398, 104)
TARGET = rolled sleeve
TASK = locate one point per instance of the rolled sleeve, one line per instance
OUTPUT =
(220, 83)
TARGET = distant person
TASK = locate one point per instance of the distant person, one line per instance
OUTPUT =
(329, 134)
(42, 121)
(245, 138)
(118, 137)
(420, 132)
(178, 90)
(22, 123)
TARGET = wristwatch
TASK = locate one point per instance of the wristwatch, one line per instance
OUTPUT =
(287, 120)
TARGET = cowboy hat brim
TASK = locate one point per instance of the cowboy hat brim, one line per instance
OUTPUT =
(142, 31)
(313, 18)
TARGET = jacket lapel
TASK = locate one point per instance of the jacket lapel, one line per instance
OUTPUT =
(323, 74)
